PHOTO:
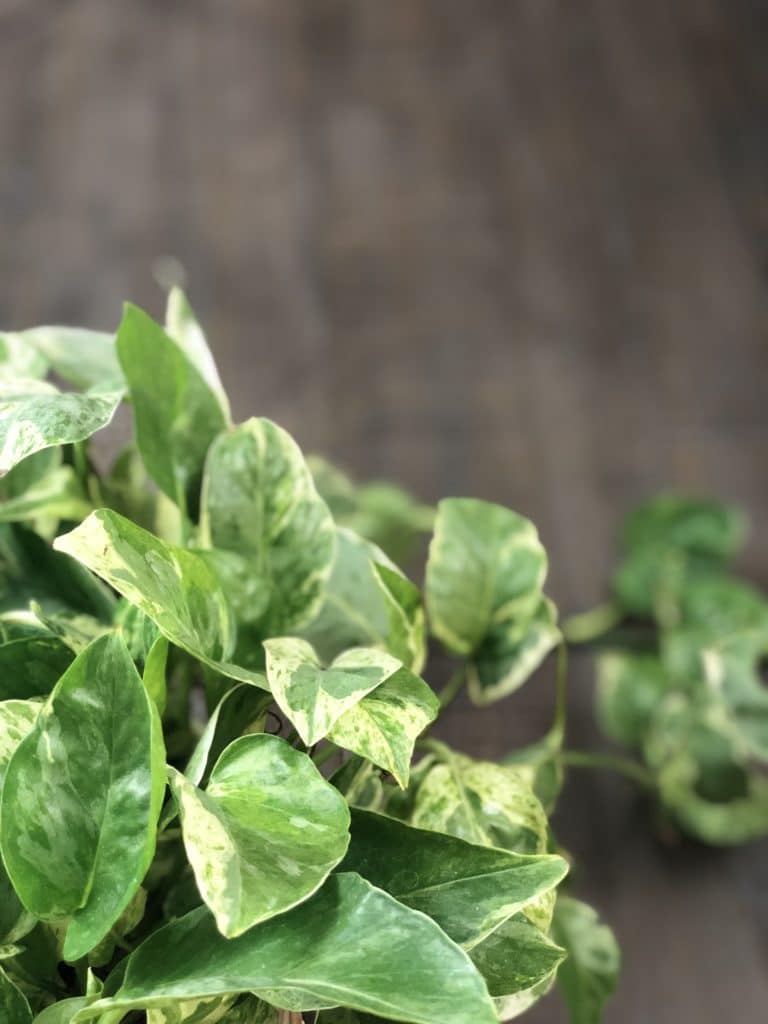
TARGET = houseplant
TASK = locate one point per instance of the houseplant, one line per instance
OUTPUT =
(211, 697)
(679, 650)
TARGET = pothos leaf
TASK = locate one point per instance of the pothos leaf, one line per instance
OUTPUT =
(510, 653)
(19, 359)
(705, 527)
(236, 712)
(82, 796)
(588, 976)
(178, 589)
(17, 719)
(518, 963)
(260, 503)
(31, 666)
(14, 1008)
(313, 697)
(629, 687)
(484, 803)
(368, 603)
(344, 945)
(177, 414)
(384, 725)
(182, 325)
(485, 570)
(35, 415)
(265, 833)
(468, 890)
(79, 356)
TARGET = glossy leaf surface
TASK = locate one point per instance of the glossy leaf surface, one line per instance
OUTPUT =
(35, 415)
(260, 503)
(469, 890)
(264, 834)
(182, 325)
(79, 356)
(82, 795)
(31, 666)
(345, 945)
(177, 414)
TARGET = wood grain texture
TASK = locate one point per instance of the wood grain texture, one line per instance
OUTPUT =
(514, 248)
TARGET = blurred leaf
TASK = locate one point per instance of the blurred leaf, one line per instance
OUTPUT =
(587, 978)
(485, 570)
(81, 357)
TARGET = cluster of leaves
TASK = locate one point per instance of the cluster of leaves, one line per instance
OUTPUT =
(678, 674)
(203, 636)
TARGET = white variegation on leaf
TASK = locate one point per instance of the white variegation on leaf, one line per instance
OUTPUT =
(485, 570)
(384, 726)
(264, 834)
(314, 698)
(260, 504)
(368, 602)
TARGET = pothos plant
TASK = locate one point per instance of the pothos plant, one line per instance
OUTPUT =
(679, 667)
(210, 695)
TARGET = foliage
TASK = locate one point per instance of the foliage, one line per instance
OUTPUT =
(678, 669)
(211, 696)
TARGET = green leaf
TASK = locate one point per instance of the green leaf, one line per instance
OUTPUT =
(178, 589)
(79, 356)
(516, 960)
(485, 570)
(384, 725)
(484, 803)
(315, 698)
(260, 503)
(587, 978)
(469, 890)
(35, 415)
(31, 666)
(62, 1012)
(706, 528)
(181, 324)
(347, 944)
(237, 712)
(57, 495)
(629, 686)
(19, 359)
(14, 1008)
(17, 719)
(177, 414)
(510, 654)
(265, 833)
(82, 797)
(368, 603)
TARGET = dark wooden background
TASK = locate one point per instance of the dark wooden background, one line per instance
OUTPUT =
(509, 248)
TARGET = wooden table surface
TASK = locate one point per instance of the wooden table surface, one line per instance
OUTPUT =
(507, 248)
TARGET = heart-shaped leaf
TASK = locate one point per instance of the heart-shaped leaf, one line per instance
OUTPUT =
(313, 697)
(31, 666)
(264, 834)
(587, 978)
(386, 723)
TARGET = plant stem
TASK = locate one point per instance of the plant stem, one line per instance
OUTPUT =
(622, 765)
(453, 687)
(588, 626)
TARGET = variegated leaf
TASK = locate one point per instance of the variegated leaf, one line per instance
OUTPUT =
(182, 325)
(261, 505)
(35, 415)
(384, 726)
(344, 945)
(368, 603)
(588, 976)
(469, 890)
(82, 795)
(265, 833)
(313, 697)
(485, 570)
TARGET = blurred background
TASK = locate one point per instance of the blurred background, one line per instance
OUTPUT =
(514, 249)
